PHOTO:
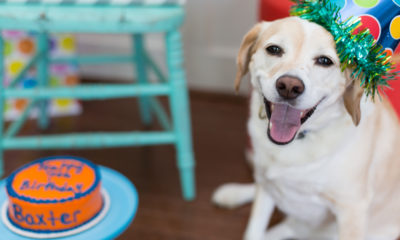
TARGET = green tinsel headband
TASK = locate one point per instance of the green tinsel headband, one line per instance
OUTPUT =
(358, 51)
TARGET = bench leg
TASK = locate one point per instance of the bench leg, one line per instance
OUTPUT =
(141, 74)
(43, 77)
(179, 103)
(2, 102)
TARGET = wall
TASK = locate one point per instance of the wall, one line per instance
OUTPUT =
(212, 35)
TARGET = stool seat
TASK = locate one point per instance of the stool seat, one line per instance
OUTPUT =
(97, 19)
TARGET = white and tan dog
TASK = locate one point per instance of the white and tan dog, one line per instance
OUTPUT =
(322, 153)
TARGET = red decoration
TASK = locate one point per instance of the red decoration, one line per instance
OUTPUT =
(273, 9)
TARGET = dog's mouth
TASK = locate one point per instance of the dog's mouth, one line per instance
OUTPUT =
(285, 121)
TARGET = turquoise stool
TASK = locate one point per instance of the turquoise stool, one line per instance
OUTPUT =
(104, 17)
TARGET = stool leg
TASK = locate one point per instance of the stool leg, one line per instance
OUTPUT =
(43, 77)
(2, 102)
(179, 103)
(141, 73)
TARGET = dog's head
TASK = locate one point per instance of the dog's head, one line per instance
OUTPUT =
(294, 66)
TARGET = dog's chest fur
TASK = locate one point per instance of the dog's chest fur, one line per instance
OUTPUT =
(299, 176)
(297, 191)
(298, 199)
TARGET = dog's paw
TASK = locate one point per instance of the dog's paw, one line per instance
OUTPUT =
(233, 195)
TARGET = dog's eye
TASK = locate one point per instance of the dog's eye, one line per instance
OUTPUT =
(274, 50)
(323, 61)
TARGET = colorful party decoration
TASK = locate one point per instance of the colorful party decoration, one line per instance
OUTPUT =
(382, 16)
(366, 32)
(19, 48)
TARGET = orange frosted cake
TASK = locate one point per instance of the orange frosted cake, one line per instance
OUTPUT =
(54, 195)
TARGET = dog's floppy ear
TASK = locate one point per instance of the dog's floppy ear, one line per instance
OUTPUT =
(245, 52)
(352, 97)
(354, 92)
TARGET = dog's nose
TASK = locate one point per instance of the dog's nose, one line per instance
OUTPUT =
(289, 87)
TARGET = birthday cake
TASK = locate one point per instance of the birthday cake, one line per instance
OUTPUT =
(54, 195)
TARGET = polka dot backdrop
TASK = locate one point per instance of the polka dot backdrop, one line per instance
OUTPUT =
(19, 48)
(381, 17)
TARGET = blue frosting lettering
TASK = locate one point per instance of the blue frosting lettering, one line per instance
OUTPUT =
(40, 219)
(52, 218)
(64, 170)
(29, 219)
(64, 218)
(78, 187)
(46, 218)
(76, 213)
(37, 186)
(18, 213)
(51, 186)
(24, 185)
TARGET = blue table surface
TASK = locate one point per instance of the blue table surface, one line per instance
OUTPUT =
(124, 203)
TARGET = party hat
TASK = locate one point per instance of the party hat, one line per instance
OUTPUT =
(366, 33)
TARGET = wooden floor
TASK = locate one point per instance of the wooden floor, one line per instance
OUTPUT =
(219, 131)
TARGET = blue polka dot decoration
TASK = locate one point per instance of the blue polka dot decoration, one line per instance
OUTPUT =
(29, 83)
(381, 17)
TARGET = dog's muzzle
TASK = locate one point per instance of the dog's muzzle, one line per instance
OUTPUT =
(285, 121)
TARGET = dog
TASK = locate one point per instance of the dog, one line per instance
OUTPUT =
(323, 152)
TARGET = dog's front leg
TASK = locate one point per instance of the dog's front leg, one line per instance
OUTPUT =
(260, 215)
(352, 221)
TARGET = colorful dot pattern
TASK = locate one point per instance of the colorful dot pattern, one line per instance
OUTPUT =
(19, 48)
(381, 17)
(366, 3)
(371, 23)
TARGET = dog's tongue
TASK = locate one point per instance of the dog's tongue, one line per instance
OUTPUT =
(285, 123)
